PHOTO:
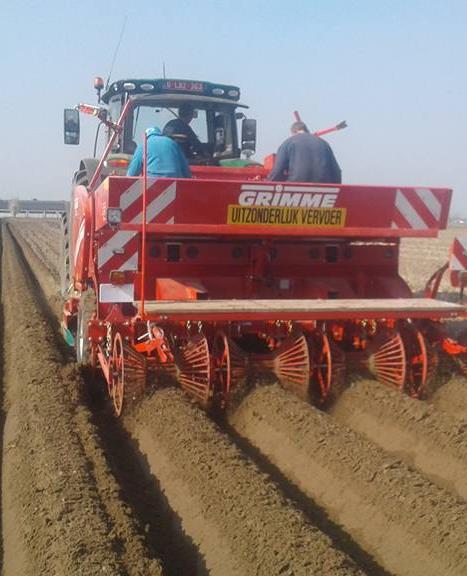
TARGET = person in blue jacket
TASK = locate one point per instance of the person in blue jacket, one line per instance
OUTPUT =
(165, 157)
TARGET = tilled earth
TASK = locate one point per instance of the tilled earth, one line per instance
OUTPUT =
(375, 486)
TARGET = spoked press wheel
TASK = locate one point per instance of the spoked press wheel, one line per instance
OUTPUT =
(328, 368)
(291, 365)
(403, 359)
(194, 370)
(222, 371)
(118, 375)
(421, 361)
(128, 374)
(387, 359)
(228, 367)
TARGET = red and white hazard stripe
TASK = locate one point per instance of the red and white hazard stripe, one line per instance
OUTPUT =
(120, 251)
(417, 208)
(458, 257)
(458, 260)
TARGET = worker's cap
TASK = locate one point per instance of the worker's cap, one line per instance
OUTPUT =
(153, 131)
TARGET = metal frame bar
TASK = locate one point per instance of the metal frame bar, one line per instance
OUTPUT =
(144, 225)
(108, 148)
(303, 310)
(215, 230)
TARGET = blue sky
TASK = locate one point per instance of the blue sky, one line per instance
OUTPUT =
(395, 70)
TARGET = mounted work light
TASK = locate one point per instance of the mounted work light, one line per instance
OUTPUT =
(114, 215)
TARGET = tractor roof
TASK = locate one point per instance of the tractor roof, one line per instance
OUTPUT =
(172, 86)
(198, 101)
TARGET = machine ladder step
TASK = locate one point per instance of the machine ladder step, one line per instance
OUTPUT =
(315, 309)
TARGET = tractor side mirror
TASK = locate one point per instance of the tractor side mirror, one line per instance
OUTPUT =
(249, 136)
(71, 126)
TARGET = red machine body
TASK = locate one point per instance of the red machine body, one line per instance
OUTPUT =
(239, 276)
(237, 239)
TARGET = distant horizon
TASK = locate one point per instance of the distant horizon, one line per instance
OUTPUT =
(452, 216)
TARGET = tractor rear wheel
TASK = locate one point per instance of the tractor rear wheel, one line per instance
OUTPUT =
(65, 269)
(84, 174)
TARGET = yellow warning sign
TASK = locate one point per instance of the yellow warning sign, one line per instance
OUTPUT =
(285, 216)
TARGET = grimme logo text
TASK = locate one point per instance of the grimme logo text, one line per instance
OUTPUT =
(288, 196)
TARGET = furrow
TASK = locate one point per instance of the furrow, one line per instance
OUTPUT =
(411, 526)
(60, 510)
(418, 432)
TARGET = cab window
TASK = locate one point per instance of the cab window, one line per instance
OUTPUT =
(148, 116)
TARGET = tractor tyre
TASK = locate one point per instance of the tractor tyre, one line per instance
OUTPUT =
(86, 311)
(84, 174)
(64, 262)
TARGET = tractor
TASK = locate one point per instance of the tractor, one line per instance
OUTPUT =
(213, 281)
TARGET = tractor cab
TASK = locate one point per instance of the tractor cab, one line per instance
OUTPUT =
(221, 132)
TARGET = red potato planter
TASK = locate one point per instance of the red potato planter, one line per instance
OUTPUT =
(213, 279)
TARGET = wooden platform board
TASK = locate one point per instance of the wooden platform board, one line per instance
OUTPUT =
(302, 309)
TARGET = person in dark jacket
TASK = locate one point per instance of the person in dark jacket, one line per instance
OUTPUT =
(305, 157)
(165, 158)
(180, 130)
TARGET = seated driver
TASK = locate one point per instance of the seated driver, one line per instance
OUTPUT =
(179, 129)
(164, 157)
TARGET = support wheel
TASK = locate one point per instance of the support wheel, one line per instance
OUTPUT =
(229, 368)
(128, 374)
(118, 375)
(327, 368)
(221, 367)
(85, 353)
(117, 390)
(421, 361)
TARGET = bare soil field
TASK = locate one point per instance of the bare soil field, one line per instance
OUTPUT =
(44, 239)
(376, 485)
(420, 257)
